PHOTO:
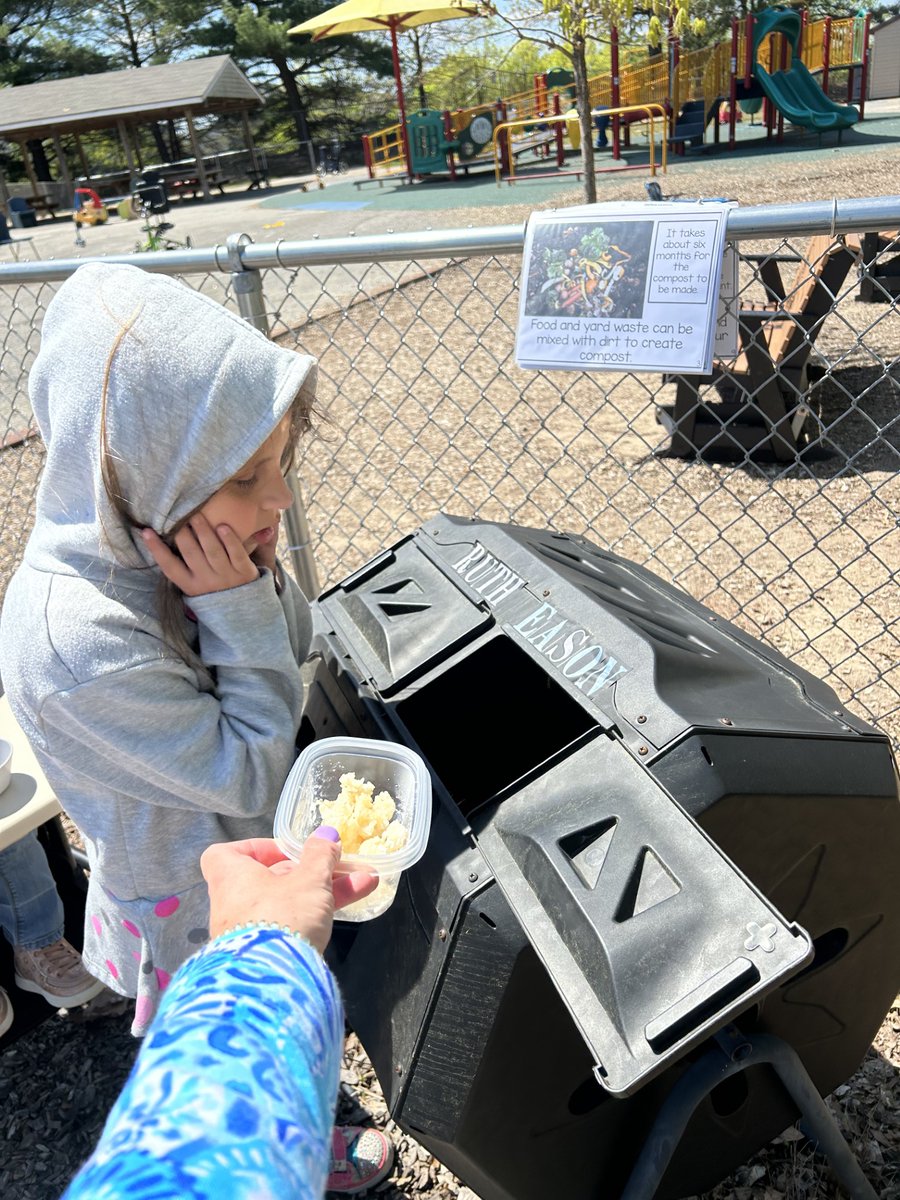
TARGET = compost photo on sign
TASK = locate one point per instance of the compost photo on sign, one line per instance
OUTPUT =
(622, 287)
(588, 270)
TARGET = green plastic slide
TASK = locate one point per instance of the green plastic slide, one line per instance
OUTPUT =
(794, 91)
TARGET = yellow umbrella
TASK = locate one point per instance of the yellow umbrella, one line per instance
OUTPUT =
(359, 16)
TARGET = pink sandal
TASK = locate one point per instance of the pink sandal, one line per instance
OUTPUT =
(360, 1158)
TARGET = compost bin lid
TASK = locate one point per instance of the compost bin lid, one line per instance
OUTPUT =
(652, 936)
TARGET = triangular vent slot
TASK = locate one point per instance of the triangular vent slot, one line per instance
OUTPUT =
(588, 848)
(406, 593)
(650, 884)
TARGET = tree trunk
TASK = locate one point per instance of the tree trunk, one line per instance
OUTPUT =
(585, 120)
(40, 160)
(295, 103)
(420, 68)
(161, 148)
(175, 151)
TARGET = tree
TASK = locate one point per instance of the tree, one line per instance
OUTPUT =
(35, 43)
(255, 33)
(578, 22)
(429, 50)
(34, 46)
(133, 33)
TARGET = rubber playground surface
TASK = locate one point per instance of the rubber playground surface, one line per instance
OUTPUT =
(879, 132)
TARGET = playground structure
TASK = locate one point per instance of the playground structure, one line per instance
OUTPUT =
(505, 151)
(775, 58)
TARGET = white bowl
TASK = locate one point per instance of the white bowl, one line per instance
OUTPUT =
(5, 764)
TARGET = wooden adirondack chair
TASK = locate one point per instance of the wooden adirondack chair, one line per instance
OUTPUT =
(760, 405)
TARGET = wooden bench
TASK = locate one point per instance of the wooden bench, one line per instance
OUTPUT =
(879, 277)
(761, 404)
(43, 204)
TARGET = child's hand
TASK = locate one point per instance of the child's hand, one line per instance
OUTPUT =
(253, 881)
(264, 556)
(208, 560)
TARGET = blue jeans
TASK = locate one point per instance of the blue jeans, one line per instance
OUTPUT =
(31, 912)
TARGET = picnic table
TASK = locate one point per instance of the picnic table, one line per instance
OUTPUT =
(180, 182)
(760, 399)
(259, 178)
(880, 263)
(113, 183)
(42, 203)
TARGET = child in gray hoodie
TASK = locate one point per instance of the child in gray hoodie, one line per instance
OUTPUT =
(163, 724)
(149, 642)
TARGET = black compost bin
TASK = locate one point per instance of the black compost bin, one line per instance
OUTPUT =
(647, 824)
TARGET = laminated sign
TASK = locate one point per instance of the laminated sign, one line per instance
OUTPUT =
(624, 287)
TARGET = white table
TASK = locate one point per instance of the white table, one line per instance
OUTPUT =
(29, 800)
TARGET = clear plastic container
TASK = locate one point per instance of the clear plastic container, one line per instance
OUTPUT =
(5, 764)
(316, 776)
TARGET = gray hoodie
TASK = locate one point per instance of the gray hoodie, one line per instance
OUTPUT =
(152, 759)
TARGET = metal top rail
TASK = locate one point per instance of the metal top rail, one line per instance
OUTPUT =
(240, 253)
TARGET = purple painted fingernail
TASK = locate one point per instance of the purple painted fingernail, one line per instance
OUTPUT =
(326, 831)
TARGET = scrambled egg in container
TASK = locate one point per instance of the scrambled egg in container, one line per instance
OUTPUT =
(366, 823)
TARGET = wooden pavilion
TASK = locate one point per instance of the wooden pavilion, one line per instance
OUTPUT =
(123, 100)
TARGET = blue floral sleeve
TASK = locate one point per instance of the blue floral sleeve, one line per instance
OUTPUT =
(234, 1089)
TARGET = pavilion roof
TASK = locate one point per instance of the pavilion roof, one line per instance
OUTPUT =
(136, 95)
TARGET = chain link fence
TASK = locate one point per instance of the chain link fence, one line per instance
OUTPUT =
(769, 490)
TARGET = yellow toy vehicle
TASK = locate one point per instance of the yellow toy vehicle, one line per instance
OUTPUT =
(89, 209)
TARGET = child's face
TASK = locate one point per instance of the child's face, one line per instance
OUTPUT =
(253, 499)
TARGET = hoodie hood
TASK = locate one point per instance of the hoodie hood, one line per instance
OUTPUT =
(192, 392)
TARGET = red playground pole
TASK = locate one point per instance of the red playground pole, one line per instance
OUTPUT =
(748, 50)
(676, 61)
(558, 131)
(826, 54)
(616, 98)
(448, 137)
(768, 106)
(784, 52)
(398, 80)
(732, 87)
(864, 72)
(504, 141)
(540, 95)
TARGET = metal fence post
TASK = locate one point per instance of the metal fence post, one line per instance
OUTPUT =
(247, 284)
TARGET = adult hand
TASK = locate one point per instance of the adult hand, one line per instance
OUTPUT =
(208, 560)
(253, 881)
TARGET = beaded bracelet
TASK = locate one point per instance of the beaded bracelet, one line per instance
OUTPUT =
(273, 925)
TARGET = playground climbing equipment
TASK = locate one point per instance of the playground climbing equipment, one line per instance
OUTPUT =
(775, 44)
